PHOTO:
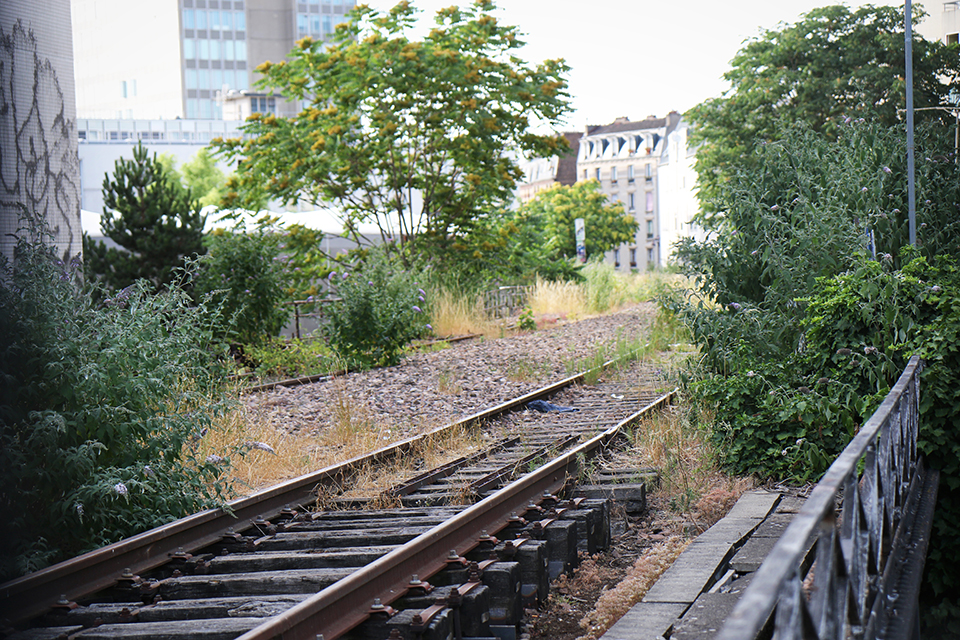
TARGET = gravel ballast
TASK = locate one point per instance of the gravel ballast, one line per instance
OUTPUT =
(431, 389)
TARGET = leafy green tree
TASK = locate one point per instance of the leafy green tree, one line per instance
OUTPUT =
(607, 224)
(152, 217)
(411, 134)
(204, 178)
(833, 65)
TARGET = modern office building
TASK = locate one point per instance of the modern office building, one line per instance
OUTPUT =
(624, 158)
(168, 59)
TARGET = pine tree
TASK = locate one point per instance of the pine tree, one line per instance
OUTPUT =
(154, 219)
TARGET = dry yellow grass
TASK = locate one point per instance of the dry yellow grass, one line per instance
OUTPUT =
(613, 603)
(262, 455)
(558, 298)
(455, 315)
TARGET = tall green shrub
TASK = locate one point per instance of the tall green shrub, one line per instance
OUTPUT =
(381, 308)
(101, 407)
(244, 272)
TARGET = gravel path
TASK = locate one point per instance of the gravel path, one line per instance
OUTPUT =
(432, 389)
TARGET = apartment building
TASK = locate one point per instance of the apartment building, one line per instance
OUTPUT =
(543, 173)
(624, 157)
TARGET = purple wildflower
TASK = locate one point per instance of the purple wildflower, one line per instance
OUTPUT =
(423, 293)
(734, 306)
(775, 207)
(864, 190)
(417, 309)
(120, 488)
(214, 459)
(422, 299)
(430, 327)
(887, 170)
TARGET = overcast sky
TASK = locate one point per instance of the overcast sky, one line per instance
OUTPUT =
(637, 58)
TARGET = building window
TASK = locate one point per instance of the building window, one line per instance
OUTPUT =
(241, 47)
(203, 51)
(189, 48)
(240, 18)
(649, 201)
(584, 174)
(630, 173)
(650, 257)
(598, 174)
(953, 38)
(649, 229)
(633, 256)
(188, 19)
(648, 169)
(632, 200)
(226, 20)
(229, 52)
(123, 88)
(616, 258)
(191, 79)
(613, 175)
(263, 104)
(302, 24)
(193, 109)
(327, 25)
(201, 19)
(215, 50)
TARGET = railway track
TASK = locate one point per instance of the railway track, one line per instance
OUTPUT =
(458, 551)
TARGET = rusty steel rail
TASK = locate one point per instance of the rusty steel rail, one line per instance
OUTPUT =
(869, 558)
(31, 595)
(342, 606)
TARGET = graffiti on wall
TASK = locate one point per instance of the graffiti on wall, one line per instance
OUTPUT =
(39, 167)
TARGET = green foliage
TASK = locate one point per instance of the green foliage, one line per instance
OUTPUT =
(101, 407)
(835, 63)
(244, 271)
(526, 322)
(603, 288)
(381, 308)
(555, 210)
(800, 212)
(204, 178)
(293, 358)
(154, 220)
(410, 134)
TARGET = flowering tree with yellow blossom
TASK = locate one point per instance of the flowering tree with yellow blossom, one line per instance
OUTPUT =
(420, 137)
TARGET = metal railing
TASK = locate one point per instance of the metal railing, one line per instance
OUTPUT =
(869, 553)
(505, 301)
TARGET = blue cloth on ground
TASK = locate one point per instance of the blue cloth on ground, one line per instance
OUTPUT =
(544, 407)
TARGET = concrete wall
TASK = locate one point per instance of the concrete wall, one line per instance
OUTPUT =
(39, 168)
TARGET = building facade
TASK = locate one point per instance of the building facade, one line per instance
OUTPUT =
(676, 188)
(168, 59)
(624, 158)
(950, 22)
(543, 173)
(103, 142)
